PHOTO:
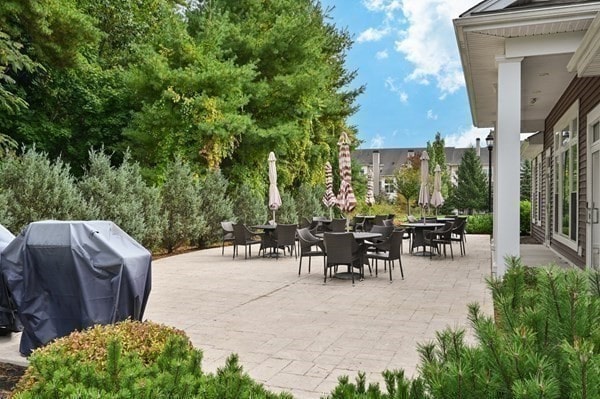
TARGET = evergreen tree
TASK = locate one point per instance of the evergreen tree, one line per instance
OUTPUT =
(526, 180)
(180, 206)
(215, 206)
(471, 189)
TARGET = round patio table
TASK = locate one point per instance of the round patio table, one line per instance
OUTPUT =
(419, 235)
(359, 236)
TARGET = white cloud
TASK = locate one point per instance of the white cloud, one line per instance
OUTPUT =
(377, 141)
(372, 35)
(390, 84)
(466, 138)
(431, 115)
(382, 55)
(426, 38)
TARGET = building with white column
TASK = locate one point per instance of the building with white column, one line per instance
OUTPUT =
(534, 66)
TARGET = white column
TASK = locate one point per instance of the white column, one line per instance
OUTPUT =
(376, 172)
(507, 164)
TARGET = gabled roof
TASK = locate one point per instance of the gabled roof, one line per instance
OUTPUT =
(392, 158)
(547, 35)
(492, 6)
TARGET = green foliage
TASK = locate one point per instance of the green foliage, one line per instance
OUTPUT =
(137, 360)
(525, 217)
(471, 192)
(526, 180)
(215, 206)
(38, 189)
(180, 206)
(408, 182)
(308, 201)
(542, 343)
(480, 224)
(397, 387)
(119, 194)
(287, 213)
(249, 206)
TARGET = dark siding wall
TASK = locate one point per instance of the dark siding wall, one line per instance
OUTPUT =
(587, 91)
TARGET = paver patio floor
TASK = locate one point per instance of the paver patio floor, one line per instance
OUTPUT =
(295, 333)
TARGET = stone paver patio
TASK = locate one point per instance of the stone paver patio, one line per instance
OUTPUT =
(296, 334)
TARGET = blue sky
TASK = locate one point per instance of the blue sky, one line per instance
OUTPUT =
(406, 54)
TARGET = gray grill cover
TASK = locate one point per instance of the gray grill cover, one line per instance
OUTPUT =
(8, 321)
(67, 276)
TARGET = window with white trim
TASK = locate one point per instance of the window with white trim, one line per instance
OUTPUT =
(566, 177)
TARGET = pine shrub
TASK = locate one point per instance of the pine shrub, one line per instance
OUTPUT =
(287, 213)
(249, 206)
(308, 201)
(180, 206)
(543, 342)
(38, 189)
(215, 206)
(120, 195)
(132, 360)
(480, 224)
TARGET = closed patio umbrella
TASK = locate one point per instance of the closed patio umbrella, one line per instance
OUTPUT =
(370, 198)
(329, 199)
(424, 190)
(436, 197)
(346, 200)
(274, 197)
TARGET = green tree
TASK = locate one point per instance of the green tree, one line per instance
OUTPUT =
(471, 189)
(180, 206)
(215, 206)
(38, 188)
(526, 180)
(408, 179)
(119, 194)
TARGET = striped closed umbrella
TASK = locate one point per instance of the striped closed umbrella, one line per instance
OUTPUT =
(329, 199)
(274, 197)
(370, 197)
(346, 200)
(424, 190)
(437, 199)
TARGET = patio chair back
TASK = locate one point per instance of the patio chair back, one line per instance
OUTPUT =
(309, 246)
(337, 226)
(342, 249)
(385, 231)
(227, 234)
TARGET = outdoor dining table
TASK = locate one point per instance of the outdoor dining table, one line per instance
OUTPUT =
(419, 234)
(445, 219)
(359, 236)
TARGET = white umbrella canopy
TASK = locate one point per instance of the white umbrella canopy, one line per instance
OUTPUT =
(437, 199)
(346, 200)
(329, 199)
(370, 197)
(274, 197)
(424, 190)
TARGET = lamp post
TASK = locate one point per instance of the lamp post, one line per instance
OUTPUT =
(490, 146)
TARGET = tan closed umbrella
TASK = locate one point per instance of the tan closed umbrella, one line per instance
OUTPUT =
(437, 199)
(424, 190)
(274, 197)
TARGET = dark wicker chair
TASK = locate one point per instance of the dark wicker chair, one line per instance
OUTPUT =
(388, 251)
(309, 246)
(336, 226)
(385, 231)
(439, 237)
(378, 221)
(284, 236)
(459, 234)
(243, 236)
(227, 236)
(342, 249)
(358, 223)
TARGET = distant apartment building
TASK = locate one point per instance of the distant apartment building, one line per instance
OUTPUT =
(391, 159)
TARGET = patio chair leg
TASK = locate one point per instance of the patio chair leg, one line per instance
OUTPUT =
(309, 261)
(390, 267)
(300, 266)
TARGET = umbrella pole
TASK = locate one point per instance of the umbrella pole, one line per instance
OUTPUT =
(273, 215)
(331, 213)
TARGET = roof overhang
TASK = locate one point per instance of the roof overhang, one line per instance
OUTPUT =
(547, 38)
